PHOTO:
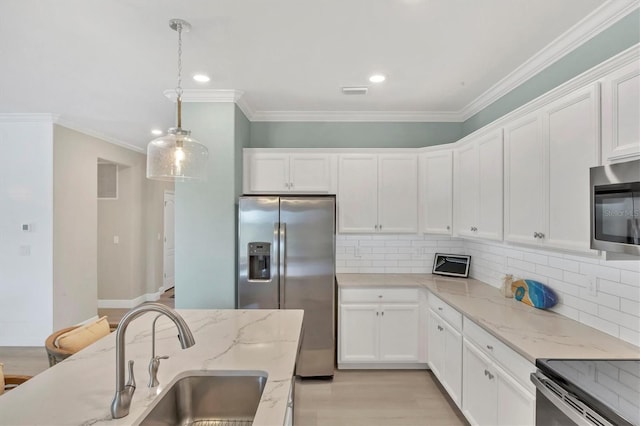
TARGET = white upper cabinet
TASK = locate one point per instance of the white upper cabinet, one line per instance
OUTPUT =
(358, 193)
(288, 172)
(478, 190)
(621, 114)
(523, 179)
(436, 192)
(378, 193)
(547, 159)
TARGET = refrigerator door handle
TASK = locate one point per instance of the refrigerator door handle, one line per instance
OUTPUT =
(275, 262)
(283, 262)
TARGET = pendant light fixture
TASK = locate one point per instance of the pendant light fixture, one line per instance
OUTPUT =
(177, 156)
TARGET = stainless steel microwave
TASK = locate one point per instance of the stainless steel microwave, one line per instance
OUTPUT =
(615, 208)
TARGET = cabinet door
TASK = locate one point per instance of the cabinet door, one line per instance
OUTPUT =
(515, 405)
(452, 363)
(524, 180)
(436, 192)
(435, 348)
(620, 112)
(479, 399)
(358, 332)
(466, 190)
(571, 132)
(269, 173)
(358, 193)
(398, 193)
(399, 333)
(310, 173)
(490, 196)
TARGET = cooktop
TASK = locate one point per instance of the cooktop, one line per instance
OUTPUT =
(609, 386)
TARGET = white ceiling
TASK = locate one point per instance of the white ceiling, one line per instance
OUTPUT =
(104, 65)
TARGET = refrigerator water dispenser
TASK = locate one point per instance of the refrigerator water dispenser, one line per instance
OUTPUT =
(259, 261)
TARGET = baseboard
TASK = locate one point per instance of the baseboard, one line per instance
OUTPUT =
(128, 303)
(383, 366)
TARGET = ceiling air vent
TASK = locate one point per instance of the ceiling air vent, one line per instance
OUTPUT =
(355, 90)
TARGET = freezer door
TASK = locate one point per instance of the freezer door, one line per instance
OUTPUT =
(307, 234)
(258, 231)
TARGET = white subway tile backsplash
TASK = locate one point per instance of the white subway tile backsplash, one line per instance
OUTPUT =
(613, 309)
(630, 277)
(520, 264)
(619, 289)
(536, 258)
(550, 272)
(564, 264)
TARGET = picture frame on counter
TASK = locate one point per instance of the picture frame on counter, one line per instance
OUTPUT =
(452, 265)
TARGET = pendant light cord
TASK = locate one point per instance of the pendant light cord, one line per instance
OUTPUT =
(179, 88)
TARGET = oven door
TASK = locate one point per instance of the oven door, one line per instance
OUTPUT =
(557, 407)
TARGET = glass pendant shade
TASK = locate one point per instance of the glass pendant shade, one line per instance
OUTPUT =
(176, 156)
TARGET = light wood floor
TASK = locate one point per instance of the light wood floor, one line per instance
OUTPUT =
(375, 398)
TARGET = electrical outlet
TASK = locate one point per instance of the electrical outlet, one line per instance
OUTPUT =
(592, 283)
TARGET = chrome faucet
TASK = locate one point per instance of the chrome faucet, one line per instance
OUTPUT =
(124, 392)
(154, 364)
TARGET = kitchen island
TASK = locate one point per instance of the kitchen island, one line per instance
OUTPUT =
(79, 390)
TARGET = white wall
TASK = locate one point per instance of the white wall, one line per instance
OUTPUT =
(26, 197)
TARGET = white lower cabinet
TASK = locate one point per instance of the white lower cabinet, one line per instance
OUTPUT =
(387, 332)
(445, 355)
(490, 396)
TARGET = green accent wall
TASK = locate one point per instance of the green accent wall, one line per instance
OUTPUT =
(615, 39)
(269, 134)
(205, 237)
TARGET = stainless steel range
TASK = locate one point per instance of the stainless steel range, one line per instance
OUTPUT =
(583, 392)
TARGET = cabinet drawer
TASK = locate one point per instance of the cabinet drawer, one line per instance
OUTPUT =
(447, 313)
(382, 295)
(514, 363)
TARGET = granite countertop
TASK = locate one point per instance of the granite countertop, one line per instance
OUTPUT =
(533, 333)
(79, 390)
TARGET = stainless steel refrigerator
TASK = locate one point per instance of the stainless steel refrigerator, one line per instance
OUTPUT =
(286, 260)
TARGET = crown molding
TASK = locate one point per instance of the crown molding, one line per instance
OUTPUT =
(594, 23)
(61, 121)
(355, 116)
(28, 117)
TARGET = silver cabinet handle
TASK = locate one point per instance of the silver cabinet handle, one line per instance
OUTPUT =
(440, 328)
(376, 226)
(377, 313)
(380, 227)
(540, 235)
(490, 347)
(382, 313)
(486, 372)
(536, 235)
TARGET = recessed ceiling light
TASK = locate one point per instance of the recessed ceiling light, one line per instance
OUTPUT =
(201, 78)
(377, 78)
(156, 132)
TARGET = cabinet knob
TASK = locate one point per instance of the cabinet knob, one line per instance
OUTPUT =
(440, 328)
(380, 296)
(290, 184)
(448, 227)
(536, 235)
(471, 228)
(382, 313)
(540, 235)
(376, 226)
(380, 227)
(439, 308)
(377, 313)
(490, 347)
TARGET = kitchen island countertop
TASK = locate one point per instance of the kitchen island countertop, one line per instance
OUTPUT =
(533, 333)
(79, 390)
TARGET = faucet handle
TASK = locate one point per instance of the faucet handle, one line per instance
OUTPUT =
(132, 380)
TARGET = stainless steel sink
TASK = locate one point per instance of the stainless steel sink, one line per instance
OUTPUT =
(208, 399)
